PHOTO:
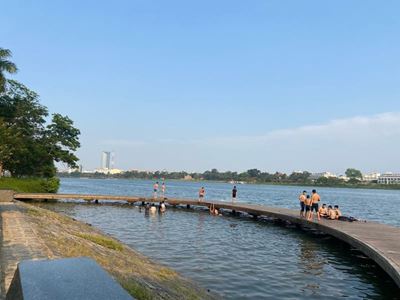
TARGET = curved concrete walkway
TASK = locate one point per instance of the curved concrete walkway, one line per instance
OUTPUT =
(378, 241)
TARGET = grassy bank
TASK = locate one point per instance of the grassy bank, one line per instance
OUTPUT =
(142, 278)
(30, 185)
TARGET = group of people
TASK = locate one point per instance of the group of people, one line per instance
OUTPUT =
(202, 193)
(155, 190)
(310, 205)
(152, 208)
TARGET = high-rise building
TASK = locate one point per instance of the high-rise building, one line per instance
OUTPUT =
(106, 160)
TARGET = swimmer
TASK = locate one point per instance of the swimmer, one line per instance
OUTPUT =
(213, 210)
(153, 208)
(162, 207)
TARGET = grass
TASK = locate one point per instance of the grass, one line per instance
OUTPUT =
(29, 185)
(102, 241)
(142, 278)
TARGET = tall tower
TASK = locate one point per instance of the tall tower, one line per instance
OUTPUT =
(106, 160)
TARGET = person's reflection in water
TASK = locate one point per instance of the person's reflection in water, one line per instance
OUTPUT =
(311, 266)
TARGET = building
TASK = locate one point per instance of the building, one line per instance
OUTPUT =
(106, 161)
(315, 176)
(109, 171)
(371, 177)
(389, 178)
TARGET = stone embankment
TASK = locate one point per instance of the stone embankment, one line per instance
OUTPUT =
(29, 232)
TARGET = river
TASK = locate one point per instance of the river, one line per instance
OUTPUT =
(238, 257)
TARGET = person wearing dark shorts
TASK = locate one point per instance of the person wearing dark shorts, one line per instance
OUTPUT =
(307, 204)
(302, 198)
(315, 198)
(234, 193)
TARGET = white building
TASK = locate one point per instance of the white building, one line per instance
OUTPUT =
(315, 176)
(371, 177)
(109, 171)
(389, 178)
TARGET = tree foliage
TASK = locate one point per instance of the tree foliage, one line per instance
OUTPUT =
(353, 174)
(30, 145)
(5, 66)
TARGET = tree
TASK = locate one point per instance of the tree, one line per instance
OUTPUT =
(353, 173)
(5, 66)
(30, 147)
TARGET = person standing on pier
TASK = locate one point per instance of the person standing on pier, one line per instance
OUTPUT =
(155, 190)
(163, 188)
(202, 193)
(234, 193)
(302, 198)
(314, 207)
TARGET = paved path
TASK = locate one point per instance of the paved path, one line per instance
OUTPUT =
(378, 241)
(18, 242)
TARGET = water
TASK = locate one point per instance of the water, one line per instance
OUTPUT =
(374, 205)
(240, 258)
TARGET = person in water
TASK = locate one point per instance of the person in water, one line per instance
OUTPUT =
(213, 210)
(234, 193)
(323, 211)
(155, 190)
(202, 193)
(314, 206)
(307, 204)
(162, 208)
(302, 198)
(153, 208)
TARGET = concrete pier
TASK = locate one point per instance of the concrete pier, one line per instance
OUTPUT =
(378, 241)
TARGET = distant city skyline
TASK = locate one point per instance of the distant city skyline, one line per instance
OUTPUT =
(272, 85)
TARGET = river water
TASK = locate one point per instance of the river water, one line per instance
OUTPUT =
(240, 258)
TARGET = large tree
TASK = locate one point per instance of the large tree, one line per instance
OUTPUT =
(30, 146)
(353, 173)
(5, 66)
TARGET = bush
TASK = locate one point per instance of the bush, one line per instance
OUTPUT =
(30, 185)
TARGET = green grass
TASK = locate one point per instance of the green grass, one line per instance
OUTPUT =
(30, 185)
(102, 241)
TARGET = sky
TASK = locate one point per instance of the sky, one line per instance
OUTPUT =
(233, 85)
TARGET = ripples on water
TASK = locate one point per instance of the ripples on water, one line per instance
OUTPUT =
(374, 205)
(235, 257)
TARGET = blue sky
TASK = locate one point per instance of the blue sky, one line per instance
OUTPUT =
(200, 84)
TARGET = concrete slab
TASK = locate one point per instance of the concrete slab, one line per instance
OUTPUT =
(68, 278)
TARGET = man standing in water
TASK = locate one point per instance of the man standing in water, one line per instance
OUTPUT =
(234, 193)
(302, 198)
(155, 190)
(202, 193)
(314, 207)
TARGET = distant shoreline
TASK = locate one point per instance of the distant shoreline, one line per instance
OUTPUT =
(372, 186)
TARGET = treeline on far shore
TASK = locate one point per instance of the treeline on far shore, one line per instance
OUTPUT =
(254, 176)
